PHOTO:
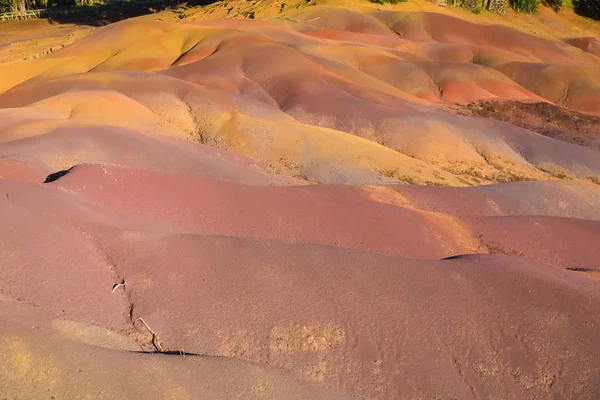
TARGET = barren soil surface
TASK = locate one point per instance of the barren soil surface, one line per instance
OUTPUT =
(301, 200)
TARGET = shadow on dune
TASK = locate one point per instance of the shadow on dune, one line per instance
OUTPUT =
(57, 175)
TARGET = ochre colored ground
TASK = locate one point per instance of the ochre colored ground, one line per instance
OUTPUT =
(327, 200)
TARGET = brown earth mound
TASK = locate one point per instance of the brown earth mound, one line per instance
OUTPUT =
(589, 44)
(336, 201)
(544, 118)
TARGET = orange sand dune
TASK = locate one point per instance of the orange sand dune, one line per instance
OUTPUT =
(257, 200)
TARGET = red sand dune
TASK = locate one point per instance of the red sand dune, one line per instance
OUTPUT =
(299, 207)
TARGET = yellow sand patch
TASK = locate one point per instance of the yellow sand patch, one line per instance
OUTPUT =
(94, 335)
(16, 72)
(382, 194)
(176, 393)
(453, 235)
(318, 371)
(260, 387)
(19, 365)
(301, 338)
(237, 345)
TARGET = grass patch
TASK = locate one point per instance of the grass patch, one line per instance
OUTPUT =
(524, 6)
(587, 8)
(387, 1)
(554, 4)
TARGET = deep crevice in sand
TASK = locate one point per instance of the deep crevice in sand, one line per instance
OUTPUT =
(57, 175)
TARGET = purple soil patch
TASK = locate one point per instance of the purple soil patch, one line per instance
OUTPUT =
(381, 326)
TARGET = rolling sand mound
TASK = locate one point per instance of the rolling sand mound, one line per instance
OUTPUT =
(369, 323)
(51, 360)
(317, 201)
(589, 44)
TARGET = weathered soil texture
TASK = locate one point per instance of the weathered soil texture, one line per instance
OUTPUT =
(272, 200)
(544, 118)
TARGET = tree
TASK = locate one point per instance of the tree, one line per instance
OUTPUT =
(554, 4)
(524, 6)
(18, 6)
(588, 8)
(4, 5)
(497, 6)
(35, 4)
(473, 5)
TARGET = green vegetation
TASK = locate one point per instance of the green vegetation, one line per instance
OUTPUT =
(478, 6)
(524, 6)
(387, 1)
(587, 8)
(4, 5)
(22, 5)
(554, 4)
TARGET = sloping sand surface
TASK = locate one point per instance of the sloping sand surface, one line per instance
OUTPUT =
(300, 201)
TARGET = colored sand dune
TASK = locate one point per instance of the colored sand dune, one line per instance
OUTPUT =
(342, 200)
